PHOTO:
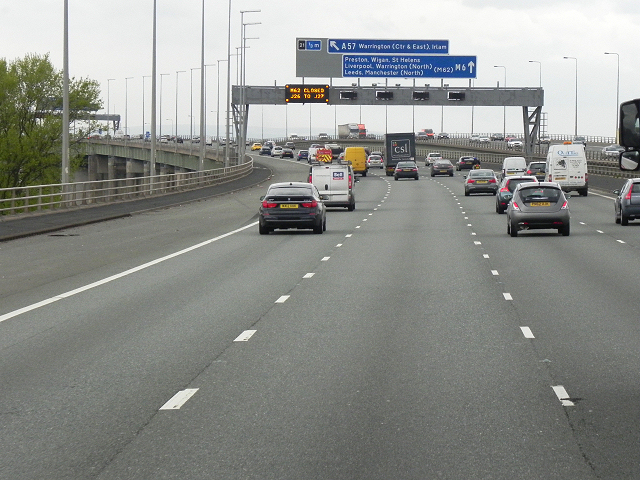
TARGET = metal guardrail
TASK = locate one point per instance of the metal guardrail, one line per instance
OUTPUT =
(37, 198)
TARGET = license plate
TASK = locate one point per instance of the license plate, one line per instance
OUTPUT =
(540, 204)
(482, 181)
(288, 205)
(406, 169)
(560, 178)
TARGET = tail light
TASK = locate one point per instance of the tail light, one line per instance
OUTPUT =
(414, 169)
(493, 180)
(628, 195)
(313, 204)
(565, 205)
(470, 180)
(550, 177)
(528, 172)
(350, 182)
(266, 204)
(504, 190)
(586, 177)
(515, 206)
(310, 179)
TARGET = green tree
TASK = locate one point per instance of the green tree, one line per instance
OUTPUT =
(31, 120)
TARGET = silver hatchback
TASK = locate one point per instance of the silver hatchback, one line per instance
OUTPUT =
(538, 206)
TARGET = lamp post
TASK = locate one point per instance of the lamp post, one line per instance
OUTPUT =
(218, 112)
(617, 91)
(191, 108)
(170, 120)
(177, 72)
(504, 109)
(160, 107)
(108, 110)
(226, 147)
(144, 133)
(575, 132)
(243, 45)
(126, 107)
(539, 70)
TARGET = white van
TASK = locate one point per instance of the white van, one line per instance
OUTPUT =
(567, 166)
(335, 180)
(514, 166)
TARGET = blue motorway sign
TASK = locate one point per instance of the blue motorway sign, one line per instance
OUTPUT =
(413, 47)
(418, 66)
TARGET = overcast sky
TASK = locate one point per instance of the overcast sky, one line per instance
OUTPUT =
(112, 39)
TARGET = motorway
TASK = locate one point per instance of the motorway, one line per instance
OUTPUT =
(414, 339)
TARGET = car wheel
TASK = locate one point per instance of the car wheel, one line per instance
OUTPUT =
(417, 177)
(565, 231)
(364, 174)
(624, 220)
(451, 174)
(351, 207)
(263, 229)
(318, 228)
(466, 194)
(513, 229)
(324, 225)
(584, 192)
(433, 174)
(395, 178)
(617, 217)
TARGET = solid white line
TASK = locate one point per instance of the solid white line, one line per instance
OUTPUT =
(179, 399)
(245, 336)
(494, 272)
(283, 299)
(526, 331)
(507, 296)
(309, 275)
(591, 192)
(562, 395)
(117, 276)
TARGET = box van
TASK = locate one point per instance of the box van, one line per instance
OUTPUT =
(358, 158)
(335, 180)
(514, 166)
(567, 166)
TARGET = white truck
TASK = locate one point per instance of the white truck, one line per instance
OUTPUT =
(567, 166)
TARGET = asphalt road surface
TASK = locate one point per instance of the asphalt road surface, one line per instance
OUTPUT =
(414, 339)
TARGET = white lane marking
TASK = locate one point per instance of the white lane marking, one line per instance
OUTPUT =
(582, 223)
(348, 235)
(325, 259)
(179, 399)
(507, 296)
(358, 226)
(117, 276)
(283, 299)
(375, 209)
(473, 233)
(466, 218)
(621, 241)
(477, 243)
(599, 231)
(370, 214)
(309, 275)
(339, 245)
(494, 272)
(562, 395)
(464, 213)
(526, 331)
(485, 255)
(591, 192)
(460, 207)
(245, 336)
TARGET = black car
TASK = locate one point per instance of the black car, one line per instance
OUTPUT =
(627, 203)
(497, 137)
(406, 170)
(467, 163)
(286, 152)
(481, 181)
(442, 167)
(292, 205)
(537, 169)
(506, 188)
(265, 150)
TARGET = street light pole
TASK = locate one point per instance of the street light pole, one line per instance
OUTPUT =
(144, 133)
(177, 72)
(504, 109)
(218, 112)
(243, 44)
(191, 109)
(170, 120)
(160, 108)
(126, 107)
(108, 110)
(617, 91)
(575, 132)
(539, 69)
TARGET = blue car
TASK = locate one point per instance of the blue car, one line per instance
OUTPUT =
(303, 155)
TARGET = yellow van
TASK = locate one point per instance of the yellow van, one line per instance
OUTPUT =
(357, 156)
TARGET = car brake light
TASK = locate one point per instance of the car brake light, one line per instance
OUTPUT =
(550, 177)
(565, 205)
(493, 180)
(350, 182)
(528, 172)
(470, 180)
(309, 180)
(586, 177)
(504, 190)
(266, 204)
(628, 195)
(310, 204)
(515, 206)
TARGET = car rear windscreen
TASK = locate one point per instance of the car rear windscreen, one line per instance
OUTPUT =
(540, 194)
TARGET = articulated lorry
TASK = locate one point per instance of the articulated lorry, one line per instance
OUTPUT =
(629, 133)
(352, 130)
(398, 147)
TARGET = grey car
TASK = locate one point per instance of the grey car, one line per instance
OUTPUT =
(538, 206)
(482, 180)
(627, 202)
